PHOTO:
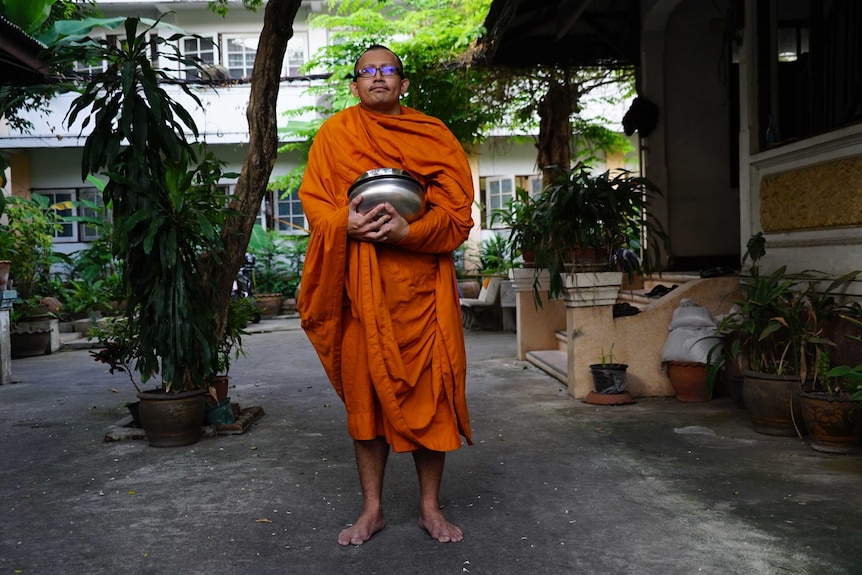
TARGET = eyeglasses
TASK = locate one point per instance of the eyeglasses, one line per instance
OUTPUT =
(371, 71)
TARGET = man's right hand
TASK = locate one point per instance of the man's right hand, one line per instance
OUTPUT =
(380, 224)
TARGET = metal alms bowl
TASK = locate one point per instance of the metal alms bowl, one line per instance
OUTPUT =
(400, 189)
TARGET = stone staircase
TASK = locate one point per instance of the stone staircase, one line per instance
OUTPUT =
(566, 349)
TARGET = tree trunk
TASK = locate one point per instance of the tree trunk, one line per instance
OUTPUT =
(262, 151)
(555, 130)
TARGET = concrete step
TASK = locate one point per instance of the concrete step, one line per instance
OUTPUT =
(551, 361)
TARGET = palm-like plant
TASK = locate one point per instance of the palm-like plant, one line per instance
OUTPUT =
(580, 215)
(779, 326)
(166, 208)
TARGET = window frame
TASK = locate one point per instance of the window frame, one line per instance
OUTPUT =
(190, 72)
(298, 43)
(503, 196)
(291, 198)
(77, 231)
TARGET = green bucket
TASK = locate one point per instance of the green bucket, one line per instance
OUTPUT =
(222, 414)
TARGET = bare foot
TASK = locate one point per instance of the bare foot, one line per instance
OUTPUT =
(367, 525)
(438, 528)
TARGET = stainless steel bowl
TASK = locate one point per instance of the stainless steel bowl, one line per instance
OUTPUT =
(391, 185)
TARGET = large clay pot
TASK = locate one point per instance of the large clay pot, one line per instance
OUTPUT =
(834, 425)
(773, 403)
(172, 419)
(30, 343)
(688, 380)
(269, 304)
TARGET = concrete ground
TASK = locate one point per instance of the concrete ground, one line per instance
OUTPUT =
(551, 486)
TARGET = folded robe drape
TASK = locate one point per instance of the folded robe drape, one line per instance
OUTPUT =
(385, 319)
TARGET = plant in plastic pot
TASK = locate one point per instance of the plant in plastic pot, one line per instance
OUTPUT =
(609, 376)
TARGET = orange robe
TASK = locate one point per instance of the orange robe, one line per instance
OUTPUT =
(385, 319)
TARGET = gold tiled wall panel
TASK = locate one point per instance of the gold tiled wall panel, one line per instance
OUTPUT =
(823, 196)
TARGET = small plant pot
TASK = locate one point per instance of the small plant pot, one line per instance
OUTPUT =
(688, 380)
(609, 378)
(134, 408)
(220, 385)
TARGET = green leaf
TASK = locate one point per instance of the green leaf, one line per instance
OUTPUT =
(28, 14)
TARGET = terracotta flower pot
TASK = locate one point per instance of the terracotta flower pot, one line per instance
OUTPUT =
(220, 385)
(688, 380)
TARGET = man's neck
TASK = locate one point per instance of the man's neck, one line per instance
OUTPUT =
(394, 111)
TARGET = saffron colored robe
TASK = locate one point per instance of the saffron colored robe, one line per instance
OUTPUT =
(385, 319)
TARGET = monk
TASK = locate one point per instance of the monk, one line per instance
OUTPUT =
(379, 298)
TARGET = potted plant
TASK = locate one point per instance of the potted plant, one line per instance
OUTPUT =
(5, 245)
(524, 231)
(580, 220)
(167, 215)
(240, 313)
(26, 243)
(609, 376)
(270, 276)
(831, 408)
(776, 334)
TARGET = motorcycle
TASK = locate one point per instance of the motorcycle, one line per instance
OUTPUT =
(242, 285)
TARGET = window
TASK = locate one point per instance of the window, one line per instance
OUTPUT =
(203, 49)
(809, 62)
(93, 197)
(240, 51)
(72, 203)
(228, 190)
(296, 54)
(534, 186)
(290, 219)
(61, 201)
(498, 191)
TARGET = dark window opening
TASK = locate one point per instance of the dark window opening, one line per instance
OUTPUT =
(809, 55)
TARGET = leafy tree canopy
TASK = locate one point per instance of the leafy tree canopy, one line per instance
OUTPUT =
(435, 40)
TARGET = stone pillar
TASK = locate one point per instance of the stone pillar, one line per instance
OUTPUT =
(589, 334)
(536, 325)
(590, 297)
(6, 299)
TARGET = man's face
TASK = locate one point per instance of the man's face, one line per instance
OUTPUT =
(380, 93)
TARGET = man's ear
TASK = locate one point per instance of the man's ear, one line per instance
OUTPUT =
(354, 89)
(405, 83)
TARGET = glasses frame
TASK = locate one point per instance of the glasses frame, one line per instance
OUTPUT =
(393, 71)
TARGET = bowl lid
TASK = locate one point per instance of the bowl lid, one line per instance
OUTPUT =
(378, 173)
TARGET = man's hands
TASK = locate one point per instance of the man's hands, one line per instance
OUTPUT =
(381, 224)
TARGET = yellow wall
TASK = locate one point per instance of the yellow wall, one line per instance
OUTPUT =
(821, 196)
